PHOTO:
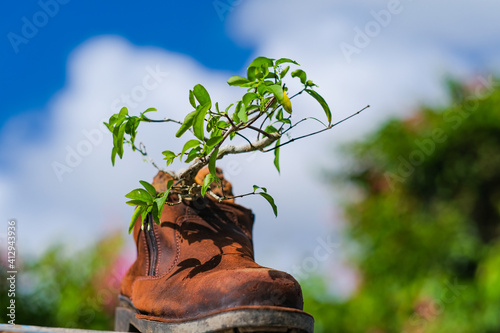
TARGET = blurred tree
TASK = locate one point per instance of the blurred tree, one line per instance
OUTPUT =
(425, 222)
(74, 291)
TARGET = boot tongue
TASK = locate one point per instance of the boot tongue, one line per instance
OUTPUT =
(226, 189)
(160, 181)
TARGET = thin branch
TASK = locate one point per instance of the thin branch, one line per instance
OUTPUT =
(244, 137)
(300, 92)
(189, 174)
(165, 120)
(232, 196)
(258, 130)
(143, 152)
(317, 132)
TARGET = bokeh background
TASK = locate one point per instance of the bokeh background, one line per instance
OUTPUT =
(390, 220)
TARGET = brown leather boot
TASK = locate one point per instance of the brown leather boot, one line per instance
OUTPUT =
(195, 272)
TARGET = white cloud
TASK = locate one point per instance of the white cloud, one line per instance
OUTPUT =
(402, 66)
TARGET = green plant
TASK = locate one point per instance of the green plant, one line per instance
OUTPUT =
(264, 110)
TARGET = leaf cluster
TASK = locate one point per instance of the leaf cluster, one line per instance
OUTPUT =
(261, 117)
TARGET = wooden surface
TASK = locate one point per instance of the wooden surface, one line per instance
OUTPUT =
(33, 329)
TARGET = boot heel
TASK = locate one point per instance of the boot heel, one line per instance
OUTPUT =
(123, 320)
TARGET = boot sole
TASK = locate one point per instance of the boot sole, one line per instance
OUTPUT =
(238, 320)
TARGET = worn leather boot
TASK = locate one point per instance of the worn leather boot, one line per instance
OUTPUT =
(195, 272)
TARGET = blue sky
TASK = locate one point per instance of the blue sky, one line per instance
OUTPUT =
(72, 74)
(35, 67)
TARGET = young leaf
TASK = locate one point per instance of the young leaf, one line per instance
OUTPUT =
(113, 155)
(271, 202)
(284, 71)
(169, 156)
(191, 99)
(193, 153)
(300, 74)
(241, 111)
(261, 62)
(213, 141)
(277, 91)
(285, 60)
(140, 194)
(136, 214)
(277, 156)
(212, 161)
(123, 112)
(160, 202)
(150, 188)
(323, 103)
(154, 213)
(209, 178)
(199, 121)
(188, 122)
(136, 203)
(150, 110)
(237, 81)
(188, 145)
(202, 95)
(249, 97)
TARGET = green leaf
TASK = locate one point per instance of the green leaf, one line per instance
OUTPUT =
(202, 95)
(237, 81)
(163, 199)
(140, 194)
(249, 97)
(277, 91)
(213, 141)
(222, 124)
(261, 62)
(136, 214)
(150, 110)
(323, 103)
(227, 109)
(271, 129)
(136, 203)
(113, 155)
(188, 145)
(199, 121)
(169, 157)
(271, 202)
(285, 60)
(284, 71)
(271, 76)
(217, 107)
(255, 188)
(209, 178)
(300, 74)
(193, 153)
(277, 156)
(150, 188)
(154, 213)
(120, 132)
(251, 72)
(242, 112)
(191, 99)
(160, 202)
(123, 112)
(212, 162)
(188, 122)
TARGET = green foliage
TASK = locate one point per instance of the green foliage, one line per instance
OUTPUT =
(72, 291)
(425, 227)
(260, 112)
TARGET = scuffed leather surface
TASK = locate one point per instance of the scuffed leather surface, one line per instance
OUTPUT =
(205, 264)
